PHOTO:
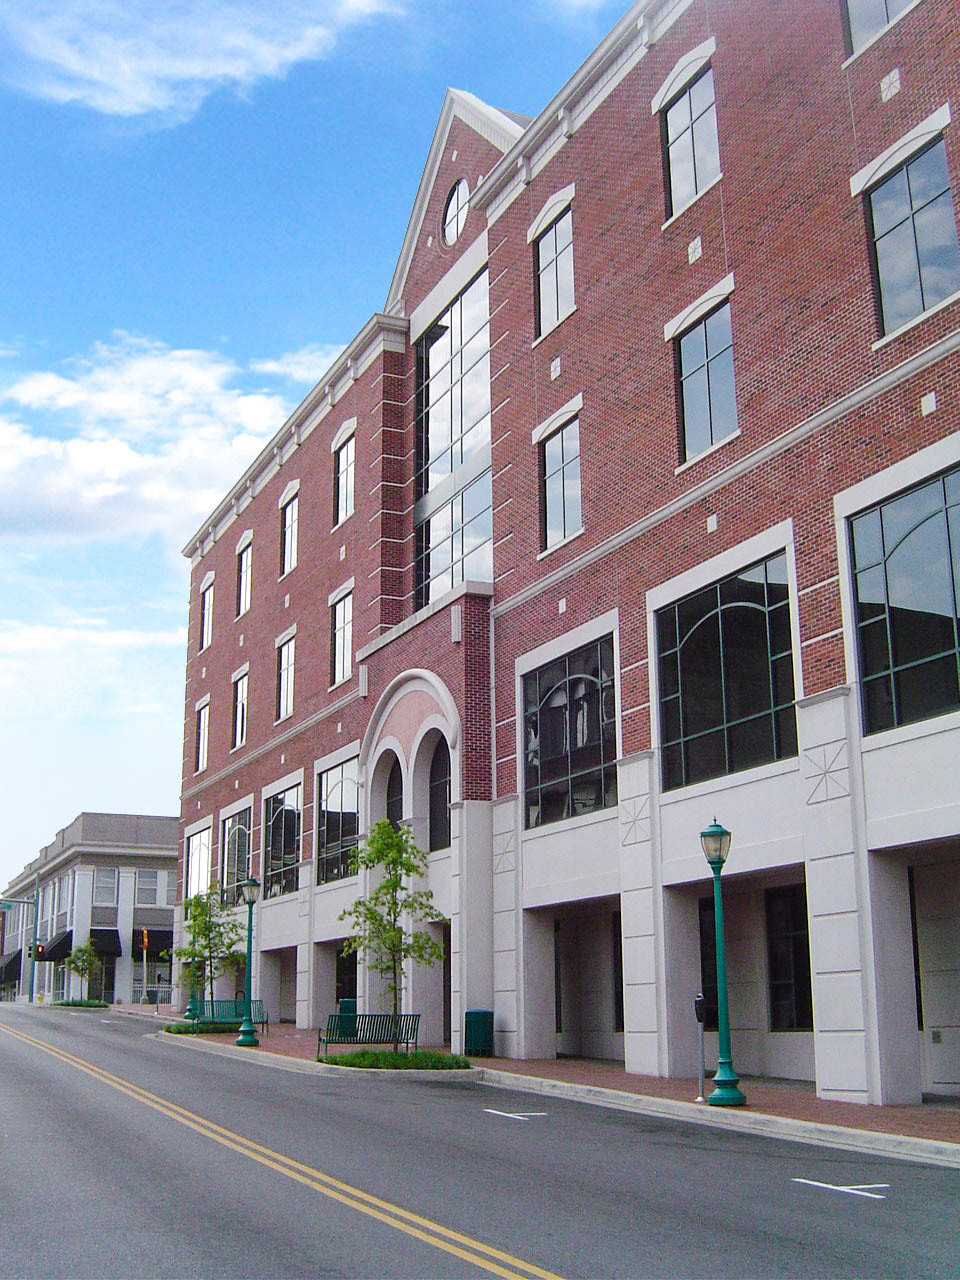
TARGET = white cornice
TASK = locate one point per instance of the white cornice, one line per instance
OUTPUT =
(484, 120)
(380, 333)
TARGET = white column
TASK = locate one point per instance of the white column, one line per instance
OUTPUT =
(643, 1043)
(123, 974)
(507, 1002)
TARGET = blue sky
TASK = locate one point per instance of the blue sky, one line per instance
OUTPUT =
(202, 201)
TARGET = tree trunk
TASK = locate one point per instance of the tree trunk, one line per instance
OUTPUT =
(396, 1008)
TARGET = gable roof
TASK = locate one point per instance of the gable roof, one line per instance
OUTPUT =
(501, 128)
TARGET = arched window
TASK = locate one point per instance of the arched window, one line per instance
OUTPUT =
(440, 797)
(395, 795)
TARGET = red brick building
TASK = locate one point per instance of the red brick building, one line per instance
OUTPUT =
(635, 505)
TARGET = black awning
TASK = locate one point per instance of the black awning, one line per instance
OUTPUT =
(10, 966)
(59, 946)
(157, 940)
(106, 942)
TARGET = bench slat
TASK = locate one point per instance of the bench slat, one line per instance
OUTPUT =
(369, 1028)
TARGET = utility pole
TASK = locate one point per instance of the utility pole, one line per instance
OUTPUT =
(36, 922)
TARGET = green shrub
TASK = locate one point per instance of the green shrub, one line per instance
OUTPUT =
(207, 1028)
(81, 1004)
(387, 1060)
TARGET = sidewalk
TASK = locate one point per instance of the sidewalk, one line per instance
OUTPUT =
(779, 1108)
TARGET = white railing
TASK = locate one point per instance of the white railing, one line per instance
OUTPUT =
(157, 992)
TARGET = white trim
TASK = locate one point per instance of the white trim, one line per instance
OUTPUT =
(240, 671)
(343, 434)
(274, 789)
(901, 150)
(343, 590)
(595, 629)
(351, 751)
(684, 70)
(244, 541)
(470, 263)
(697, 310)
(557, 419)
(207, 581)
(291, 491)
(202, 702)
(230, 811)
(552, 209)
(194, 829)
(282, 639)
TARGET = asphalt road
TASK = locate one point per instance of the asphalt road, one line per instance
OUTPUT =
(126, 1156)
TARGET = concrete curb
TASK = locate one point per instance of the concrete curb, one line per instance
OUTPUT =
(863, 1141)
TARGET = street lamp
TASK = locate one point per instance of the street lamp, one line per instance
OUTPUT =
(716, 845)
(250, 889)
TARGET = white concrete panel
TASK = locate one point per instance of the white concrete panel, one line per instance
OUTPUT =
(504, 891)
(639, 960)
(438, 882)
(944, 1060)
(636, 910)
(640, 1007)
(328, 902)
(505, 1011)
(831, 886)
(939, 943)
(572, 860)
(842, 1065)
(941, 999)
(603, 885)
(280, 924)
(838, 1002)
(912, 785)
(636, 866)
(788, 1055)
(641, 1052)
(835, 944)
(504, 931)
(505, 970)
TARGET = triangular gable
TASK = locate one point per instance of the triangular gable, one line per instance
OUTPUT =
(496, 127)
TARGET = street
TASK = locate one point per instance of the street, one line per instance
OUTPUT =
(128, 1156)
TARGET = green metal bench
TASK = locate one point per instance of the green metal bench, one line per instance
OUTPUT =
(225, 1011)
(369, 1028)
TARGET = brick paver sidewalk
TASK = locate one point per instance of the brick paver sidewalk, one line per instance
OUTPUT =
(798, 1101)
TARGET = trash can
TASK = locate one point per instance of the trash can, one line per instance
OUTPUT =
(478, 1033)
(347, 1010)
(151, 996)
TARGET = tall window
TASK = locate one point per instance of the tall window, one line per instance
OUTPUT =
(708, 405)
(788, 959)
(726, 676)
(147, 888)
(338, 820)
(244, 576)
(343, 480)
(914, 235)
(570, 733)
(197, 871)
(289, 518)
(708, 962)
(866, 17)
(455, 211)
(341, 641)
(206, 617)
(282, 841)
(235, 845)
(452, 515)
(395, 795)
(906, 560)
(203, 736)
(104, 887)
(440, 797)
(239, 711)
(560, 507)
(285, 653)
(554, 254)
(690, 146)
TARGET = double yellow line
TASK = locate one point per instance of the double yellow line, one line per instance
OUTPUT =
(481, 1255)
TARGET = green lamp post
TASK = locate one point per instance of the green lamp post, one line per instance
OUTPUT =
(716, 845)
(250, 889)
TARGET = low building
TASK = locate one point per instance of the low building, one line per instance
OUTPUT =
(107, 877)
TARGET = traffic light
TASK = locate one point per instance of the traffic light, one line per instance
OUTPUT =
(40, 950)
(29, 950)
(144, 939)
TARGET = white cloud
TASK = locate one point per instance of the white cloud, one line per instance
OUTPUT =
(137, 438)
(139, 57)
(309, 364)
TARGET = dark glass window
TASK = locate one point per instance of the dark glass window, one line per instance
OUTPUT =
(788, 959)
(906, 561)
(235, 844)
(455, 211)
(338, 820)
(455, 543)
(708, 403)
(616, 943)
(343, 479)
(244, 579)
(562, 515)
(726, 676)
(690, 145)
(866, 17)
(440, 797)
(554, 252)
(914, 234)
(289, 519)
(570, 733)
(395, 795)
(708, 963)
(282, 842)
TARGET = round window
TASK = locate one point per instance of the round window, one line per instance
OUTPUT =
(455, 212)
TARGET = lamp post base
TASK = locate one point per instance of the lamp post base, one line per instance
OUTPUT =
(247, 1038)
(725, 1088)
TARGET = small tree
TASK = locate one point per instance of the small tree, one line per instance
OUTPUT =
(382, 922)
(82, 961)
(214, 939)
